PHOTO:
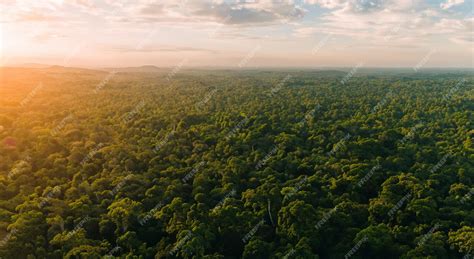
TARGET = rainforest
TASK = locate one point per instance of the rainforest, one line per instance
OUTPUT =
(150, 162)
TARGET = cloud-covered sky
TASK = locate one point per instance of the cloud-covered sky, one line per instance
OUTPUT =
(238, 33)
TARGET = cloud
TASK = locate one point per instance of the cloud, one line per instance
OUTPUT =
(45, 11)
(303, 32)
(387, 22)
(36, 16)
(83, 3)
(237, 15)
(160, 49)
(331, 4)
(364, 6)
(152, 9)
(45, 36)
(197, 27)
(450, 3)
(464, 40)
(230, 13)
(239, 35)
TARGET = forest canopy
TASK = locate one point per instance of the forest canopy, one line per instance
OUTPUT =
(236, 164)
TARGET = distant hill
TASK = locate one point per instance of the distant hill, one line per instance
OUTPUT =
(62, 69)
(50, 69)
(140, 69)
(31, 65)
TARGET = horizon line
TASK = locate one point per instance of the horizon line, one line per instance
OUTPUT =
(45, 66)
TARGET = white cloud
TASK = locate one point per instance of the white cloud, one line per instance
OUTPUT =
(331, 4)
(450, 3)
(214, 28)
(365, 6)
(231, 13)
(379, 22)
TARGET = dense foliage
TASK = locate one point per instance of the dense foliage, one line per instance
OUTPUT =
(226, 164)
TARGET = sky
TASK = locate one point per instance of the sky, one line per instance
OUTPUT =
(238, 34)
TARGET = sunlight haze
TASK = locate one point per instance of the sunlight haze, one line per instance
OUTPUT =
(312, 33)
